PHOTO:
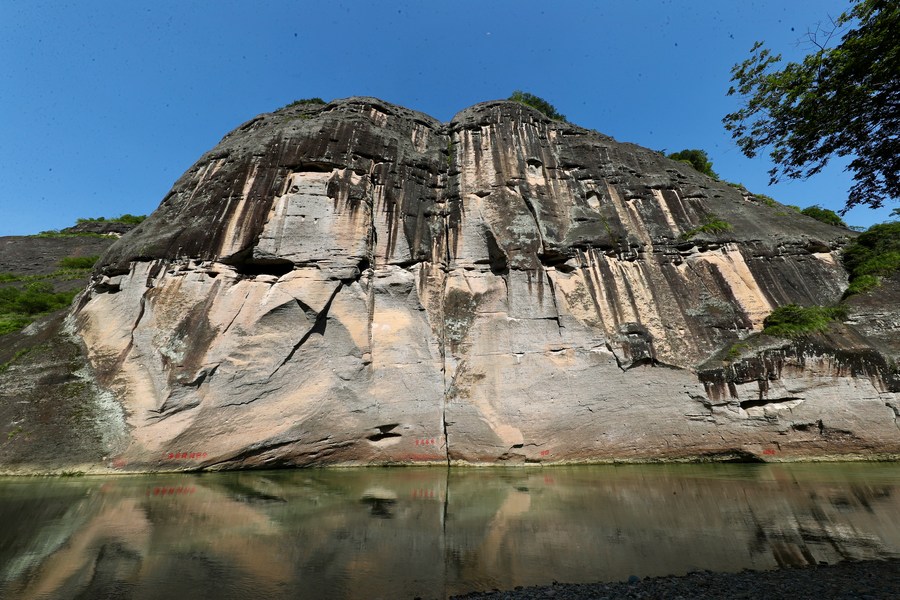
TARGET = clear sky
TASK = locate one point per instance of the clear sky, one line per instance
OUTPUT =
(104, 104)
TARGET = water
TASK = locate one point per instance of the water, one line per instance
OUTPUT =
(401, 533)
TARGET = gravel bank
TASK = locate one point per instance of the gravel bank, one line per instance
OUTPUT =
(857, 580)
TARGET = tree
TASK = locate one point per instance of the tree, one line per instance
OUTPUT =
(839, 101)
(697, 159)
(538, 103)
(824, 215)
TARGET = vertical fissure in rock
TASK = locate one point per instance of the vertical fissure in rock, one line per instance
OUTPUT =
(559, 325)
(445, 197)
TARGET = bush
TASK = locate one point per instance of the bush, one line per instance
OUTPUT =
(793, 320)
(538, 103)
(872, 255)
(712, 225)
(18, 307)
(824, 215)
(305, 101)
(697, 159)
(127, 218)
(78, 262)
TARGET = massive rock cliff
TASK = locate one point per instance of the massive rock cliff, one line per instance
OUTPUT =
(358, 283)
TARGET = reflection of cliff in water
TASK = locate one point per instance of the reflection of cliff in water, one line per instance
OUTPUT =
(407, 532)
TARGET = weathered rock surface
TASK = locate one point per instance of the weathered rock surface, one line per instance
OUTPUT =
(357, 283)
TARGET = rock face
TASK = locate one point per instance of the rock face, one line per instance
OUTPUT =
(358, 283)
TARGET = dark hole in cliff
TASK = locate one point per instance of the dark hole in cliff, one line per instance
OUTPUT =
(313, 167)
(745, 404)
(533, 162)
(245, 264)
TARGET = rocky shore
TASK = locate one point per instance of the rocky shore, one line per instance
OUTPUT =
(874, 579)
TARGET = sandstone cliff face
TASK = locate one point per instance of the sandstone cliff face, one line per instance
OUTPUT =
(358, 283)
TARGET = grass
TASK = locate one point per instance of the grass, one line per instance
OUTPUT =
(55, 233)
(78, 262)
(736, 350)
(712, 225)
(793, 320)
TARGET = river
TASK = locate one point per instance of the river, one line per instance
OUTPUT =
(431, 532)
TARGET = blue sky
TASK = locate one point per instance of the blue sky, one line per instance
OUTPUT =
(104, 104)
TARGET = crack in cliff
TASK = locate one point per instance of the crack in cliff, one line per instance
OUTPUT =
(616, 356)
(559, 325)
(318, 327)
(445, 271)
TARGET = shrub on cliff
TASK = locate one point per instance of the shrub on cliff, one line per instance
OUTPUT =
(873, 255)
(697, 159)
(538, 103)
(712, 225)
(127, 218)
(793, 320)
(824, 215)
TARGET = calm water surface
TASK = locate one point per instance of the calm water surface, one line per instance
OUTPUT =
(401, 533)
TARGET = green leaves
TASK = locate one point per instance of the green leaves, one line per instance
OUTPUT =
(538, 103)
(840, 101)
(824, 215)
(697, 159)
(712, 225)
(872, 255)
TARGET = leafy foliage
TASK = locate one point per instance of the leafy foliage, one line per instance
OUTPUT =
(538, 103)
(316, 100)
(697, 159)
(19, 307)
(838, 101)
(711, 224)
(127, 218)
(824, 215)
(872, 255)
(793, 320)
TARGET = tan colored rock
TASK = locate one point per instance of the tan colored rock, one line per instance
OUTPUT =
(364, 285)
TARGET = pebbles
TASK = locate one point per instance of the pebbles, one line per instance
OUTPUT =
(858, 580)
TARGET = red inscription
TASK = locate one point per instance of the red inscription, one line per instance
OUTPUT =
(184, 455)
(768, 451)
(545, 453)
(430, 442)
(171, 491)
(423, 493)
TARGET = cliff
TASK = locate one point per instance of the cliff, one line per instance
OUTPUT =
(358, 283)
